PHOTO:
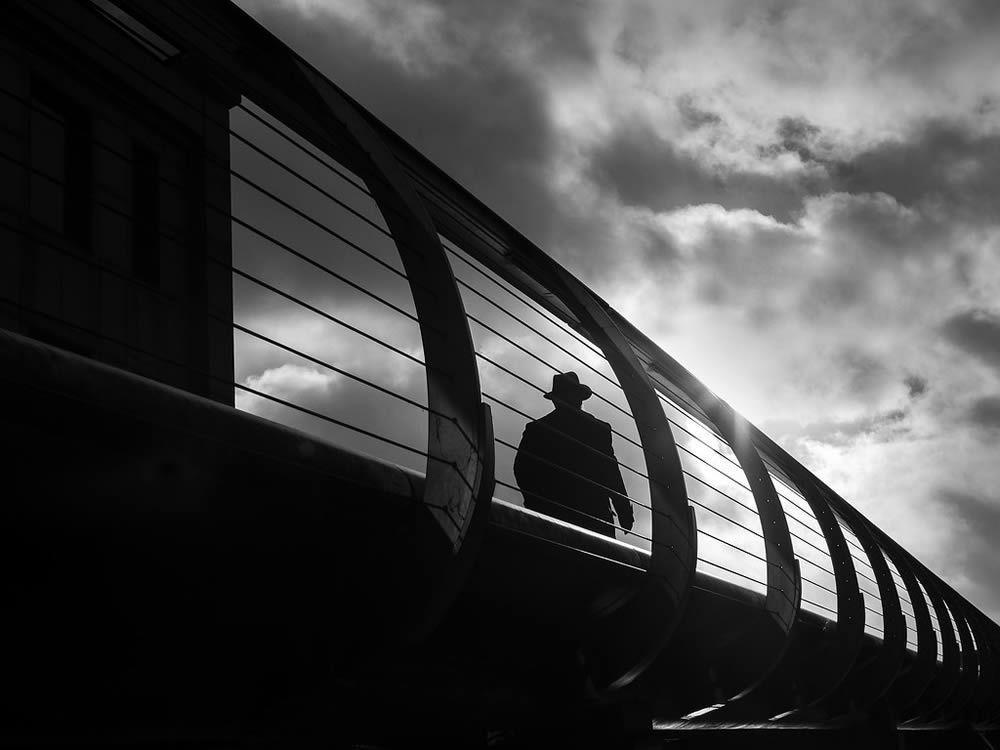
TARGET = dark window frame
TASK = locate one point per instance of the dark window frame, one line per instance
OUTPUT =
(78, 179)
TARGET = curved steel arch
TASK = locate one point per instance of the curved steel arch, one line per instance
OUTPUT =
(953, 707)
(950, 672)
(828, 669)
(453, 395)
(868, 683)
(639, 636)
(991, 710)
(459, 481)
(903, 693)
(784, 583)
(797, 680)
(986, 685)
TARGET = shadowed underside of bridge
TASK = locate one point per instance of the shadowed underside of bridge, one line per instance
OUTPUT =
(182, 571)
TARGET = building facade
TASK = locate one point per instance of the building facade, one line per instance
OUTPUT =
(114, 195)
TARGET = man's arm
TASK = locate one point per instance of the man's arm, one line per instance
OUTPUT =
(614, 482)
(526, 465)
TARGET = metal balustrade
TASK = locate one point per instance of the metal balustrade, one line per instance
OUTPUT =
(370, 311)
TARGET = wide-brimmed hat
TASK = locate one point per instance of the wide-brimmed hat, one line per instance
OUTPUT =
(566, 386)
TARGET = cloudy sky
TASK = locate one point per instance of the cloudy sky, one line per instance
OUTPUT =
(800, 201)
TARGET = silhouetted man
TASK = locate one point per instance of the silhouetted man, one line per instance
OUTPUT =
(566, 466)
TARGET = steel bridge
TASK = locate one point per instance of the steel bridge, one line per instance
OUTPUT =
(266, 367)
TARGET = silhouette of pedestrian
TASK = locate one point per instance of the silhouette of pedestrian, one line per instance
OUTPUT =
(566, 466)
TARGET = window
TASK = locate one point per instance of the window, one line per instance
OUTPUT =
(145, 215)
(61, 183)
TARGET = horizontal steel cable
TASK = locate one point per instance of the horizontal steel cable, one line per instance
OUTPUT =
(685, 404)
(807, 524)
(736, 573)
(853, 543)
(736, 547)
(873, 611)
(327, 316)
(814, 531)
(819, 586)
(706, 428)
(333, 166)
(820, 606)
(316, 186)
(320, 266)
(328, 230)
(816, 565)
(865, 576)
(311, 183)
(454, 250)
(808, 543)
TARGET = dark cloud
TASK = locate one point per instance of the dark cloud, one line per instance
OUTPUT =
(916, 386)
(557, 32)
(878, 229)
(876, 251)
(795, 135)
(984, 413)
(643, 169)
(977, 553)
(480, 116)
(931, 42)
(940, 164)
(693, 116)
(976, 332)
